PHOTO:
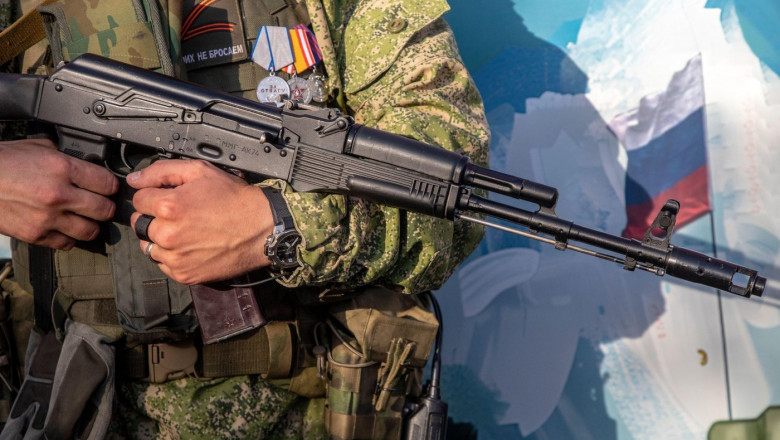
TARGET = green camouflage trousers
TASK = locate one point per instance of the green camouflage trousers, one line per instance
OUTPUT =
(239, 407)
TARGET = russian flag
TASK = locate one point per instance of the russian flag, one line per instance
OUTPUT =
(666, 142)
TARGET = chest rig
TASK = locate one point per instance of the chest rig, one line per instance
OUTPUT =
(369, 348)
(110, 284)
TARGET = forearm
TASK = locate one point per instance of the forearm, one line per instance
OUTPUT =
(352, 242)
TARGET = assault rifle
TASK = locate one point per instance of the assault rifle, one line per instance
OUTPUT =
(102, 108)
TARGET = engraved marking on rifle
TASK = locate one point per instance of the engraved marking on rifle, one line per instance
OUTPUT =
(226, 144)
(250, 151)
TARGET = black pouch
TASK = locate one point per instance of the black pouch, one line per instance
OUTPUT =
(150, 306)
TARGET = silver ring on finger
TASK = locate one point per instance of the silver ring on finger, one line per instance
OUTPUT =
(148, 253)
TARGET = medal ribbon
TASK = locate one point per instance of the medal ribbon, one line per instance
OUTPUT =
(305, 49)
(273, 50)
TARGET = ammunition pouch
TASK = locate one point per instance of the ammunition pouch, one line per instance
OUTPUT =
(380, 341)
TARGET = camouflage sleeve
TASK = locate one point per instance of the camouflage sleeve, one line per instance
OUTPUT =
(426, 94)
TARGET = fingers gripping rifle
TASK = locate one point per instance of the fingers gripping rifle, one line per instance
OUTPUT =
(102, 107)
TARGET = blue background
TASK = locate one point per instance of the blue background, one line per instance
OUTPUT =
(586, 350)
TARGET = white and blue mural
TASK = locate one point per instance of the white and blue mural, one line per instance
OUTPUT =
(618, 103)
(542, 344)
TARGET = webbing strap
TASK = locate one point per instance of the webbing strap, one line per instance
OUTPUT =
(43, 284)
(269, 351)
(249, 353)
(22, 34)
(363, 426)
(244, 354)
(156, 305)
(281, 344)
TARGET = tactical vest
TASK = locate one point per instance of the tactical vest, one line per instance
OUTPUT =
(369, 347)
(96, 284)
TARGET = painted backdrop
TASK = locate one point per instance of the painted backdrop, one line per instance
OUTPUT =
(616, 103)
(620, 104)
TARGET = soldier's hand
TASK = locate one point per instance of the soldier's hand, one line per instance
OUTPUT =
(208, 224)
(49, 198)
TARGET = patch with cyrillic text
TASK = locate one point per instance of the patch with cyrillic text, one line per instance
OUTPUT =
(212, 33)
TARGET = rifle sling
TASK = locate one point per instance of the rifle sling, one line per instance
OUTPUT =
(22, 34)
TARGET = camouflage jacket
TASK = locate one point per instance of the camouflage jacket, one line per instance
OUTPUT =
(399, 69)
(396, 67)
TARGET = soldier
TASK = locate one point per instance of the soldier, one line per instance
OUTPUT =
(392, 65)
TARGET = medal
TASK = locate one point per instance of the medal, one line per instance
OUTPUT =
(305, 49)
(299, 89)
(273, 89)
(319, 91)
(294, 50)
(272, 51)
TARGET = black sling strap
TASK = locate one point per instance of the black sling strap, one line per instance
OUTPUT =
(43, 284)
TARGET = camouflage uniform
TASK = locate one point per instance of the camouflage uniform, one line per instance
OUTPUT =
(420, 90)
(392, 65)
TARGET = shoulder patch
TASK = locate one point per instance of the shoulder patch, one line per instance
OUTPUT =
(212, 33)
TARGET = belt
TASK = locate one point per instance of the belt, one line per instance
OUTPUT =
(272, 351)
